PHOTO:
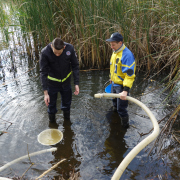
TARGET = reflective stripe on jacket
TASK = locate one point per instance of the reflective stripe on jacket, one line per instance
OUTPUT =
(122, 67)
(59, 80)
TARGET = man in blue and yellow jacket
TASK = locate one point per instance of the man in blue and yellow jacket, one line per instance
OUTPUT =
(58, 61)
(122, 75)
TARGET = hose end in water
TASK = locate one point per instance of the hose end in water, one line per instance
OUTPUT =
(53, 149)
(98, 95)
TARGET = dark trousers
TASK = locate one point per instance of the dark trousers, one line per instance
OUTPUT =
(121, 105)
(66, 98)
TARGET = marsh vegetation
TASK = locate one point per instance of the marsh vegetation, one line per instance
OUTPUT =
(151, 30)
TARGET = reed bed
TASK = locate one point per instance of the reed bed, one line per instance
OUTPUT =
(151, 29)
(4, 24)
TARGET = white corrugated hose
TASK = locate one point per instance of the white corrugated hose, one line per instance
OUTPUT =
(130, 156)
(24, 157)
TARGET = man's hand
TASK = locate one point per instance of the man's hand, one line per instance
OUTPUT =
(46, 98)
(123, 95)
(76, 92)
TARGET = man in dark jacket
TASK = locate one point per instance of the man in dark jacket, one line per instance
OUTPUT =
(57, 61)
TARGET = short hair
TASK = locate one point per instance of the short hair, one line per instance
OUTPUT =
(58, 43)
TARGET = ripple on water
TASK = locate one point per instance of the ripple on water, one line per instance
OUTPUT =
(94, 144)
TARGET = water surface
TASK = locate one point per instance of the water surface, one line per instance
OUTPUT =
(94, 143)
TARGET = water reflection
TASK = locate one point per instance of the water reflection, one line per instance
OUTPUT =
(94, 144)
(65, 151)
(115, 146)
(53, 125)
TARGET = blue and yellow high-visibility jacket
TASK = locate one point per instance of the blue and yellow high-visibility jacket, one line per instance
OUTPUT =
(122, 67)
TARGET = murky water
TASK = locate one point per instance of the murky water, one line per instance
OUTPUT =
(94, 143)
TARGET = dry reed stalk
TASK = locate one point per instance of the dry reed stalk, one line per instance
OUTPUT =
(50, 169)
(167, 129)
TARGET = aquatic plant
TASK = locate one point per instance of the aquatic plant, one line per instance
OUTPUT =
(150, 29)
(4, 24)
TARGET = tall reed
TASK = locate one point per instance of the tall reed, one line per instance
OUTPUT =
(4, 19)
(150, 28)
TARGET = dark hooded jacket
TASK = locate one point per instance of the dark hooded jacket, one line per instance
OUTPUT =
(55, 70)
